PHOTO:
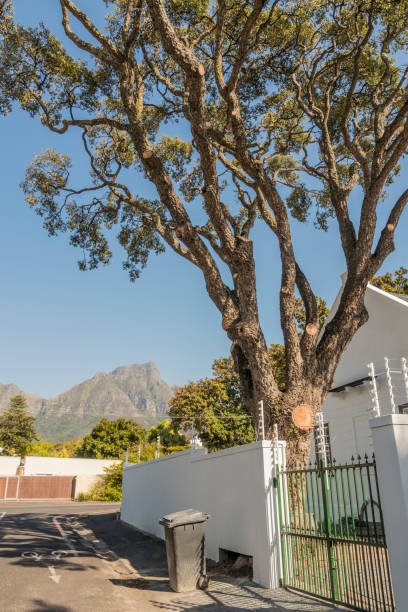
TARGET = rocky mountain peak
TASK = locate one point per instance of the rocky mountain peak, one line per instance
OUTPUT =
(136, 391)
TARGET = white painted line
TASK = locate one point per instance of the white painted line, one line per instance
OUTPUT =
(55, 577)
(31, 555)
(2, 515)
(64, 535)
(57, 554)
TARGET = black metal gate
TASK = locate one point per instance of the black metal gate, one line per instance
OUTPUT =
(332, 531)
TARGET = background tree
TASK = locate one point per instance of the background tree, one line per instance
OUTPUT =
(17, 430)
(57, 449)
(213, 407)
(111, 439)
(394, 283)
(286, 109)
(169, 435)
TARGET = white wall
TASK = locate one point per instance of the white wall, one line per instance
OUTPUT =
(390, 436)
(66, 466)
(9, 465)
(348, 414)
(234, 486)
(83, 484)
(155, 488)
(60, 466)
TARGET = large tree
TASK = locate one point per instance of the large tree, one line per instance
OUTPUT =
(284, 109)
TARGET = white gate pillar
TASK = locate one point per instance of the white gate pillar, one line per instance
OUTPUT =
(268, 568)
(390, 439)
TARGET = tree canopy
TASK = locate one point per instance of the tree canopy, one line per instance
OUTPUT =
(111, 439)
(396, 282)
(17, 430)
(169, 435)
(213, 408)
(237, 113)
(42, 448)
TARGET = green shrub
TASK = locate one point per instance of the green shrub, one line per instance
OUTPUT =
(83, 497)
(170, 450)
(109, 488)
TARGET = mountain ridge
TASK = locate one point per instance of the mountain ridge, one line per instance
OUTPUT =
(136, 391)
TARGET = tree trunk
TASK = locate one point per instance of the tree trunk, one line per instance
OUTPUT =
(258, 384)
(298, 440)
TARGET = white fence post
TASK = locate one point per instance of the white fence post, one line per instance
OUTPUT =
(404, 370)
(261, 422)
(389, 382)
(373, 390)
(321, 437)
(390, 439)
(268, 564)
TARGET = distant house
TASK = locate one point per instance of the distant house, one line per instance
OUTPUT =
(348, 406)
(192, 439)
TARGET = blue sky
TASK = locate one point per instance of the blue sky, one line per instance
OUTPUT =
(60, 326)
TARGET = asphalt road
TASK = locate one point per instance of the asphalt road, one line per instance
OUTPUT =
(57, 507)
(74, 557)
(46, 566)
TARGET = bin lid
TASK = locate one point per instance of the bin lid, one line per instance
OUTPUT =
(184, 517)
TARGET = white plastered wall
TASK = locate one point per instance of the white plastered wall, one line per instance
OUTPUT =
(9, 465)
(390, 437)
(84, 484)
(56, 466)
(67, 466)
(155, 488)
(234, 486)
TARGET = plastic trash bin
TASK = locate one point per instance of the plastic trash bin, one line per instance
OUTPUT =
(185, 548)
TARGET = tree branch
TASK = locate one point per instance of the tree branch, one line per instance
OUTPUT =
(194, 71)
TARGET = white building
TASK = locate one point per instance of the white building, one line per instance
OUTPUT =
(349, 405)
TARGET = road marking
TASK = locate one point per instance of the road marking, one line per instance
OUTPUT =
(57, 554)
(31, 555)
(64, 536)
(55, 577)
(2, 515)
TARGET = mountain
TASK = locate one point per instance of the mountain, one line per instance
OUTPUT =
(9, 391)
(136, 391)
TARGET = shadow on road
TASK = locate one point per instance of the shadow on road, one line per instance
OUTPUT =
(43, 606)
(147, 556)
(35, 541)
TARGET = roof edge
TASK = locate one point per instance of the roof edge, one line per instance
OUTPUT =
(371, 287)
(387, 294)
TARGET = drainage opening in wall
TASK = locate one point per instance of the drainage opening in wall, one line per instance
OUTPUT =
(234, 564)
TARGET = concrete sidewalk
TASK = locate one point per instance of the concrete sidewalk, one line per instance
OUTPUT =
(144, 574)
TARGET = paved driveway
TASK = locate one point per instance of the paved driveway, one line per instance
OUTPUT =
(70, 557)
